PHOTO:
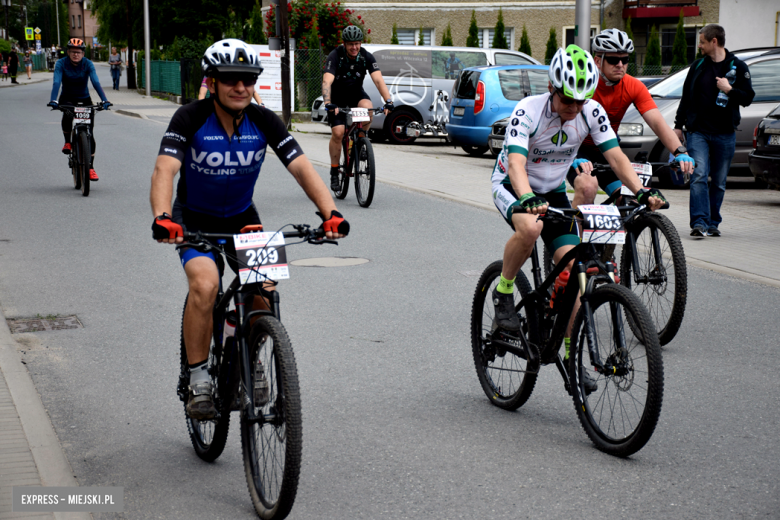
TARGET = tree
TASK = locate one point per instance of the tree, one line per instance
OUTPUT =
(653, 56)
(680, 46)
(473, 38)
(525, 44)
(446, 38)
(255, 34)
(499, 38)
(421, 39)
(552, 46)
(332, 18)
(394, 37)
(631, 69)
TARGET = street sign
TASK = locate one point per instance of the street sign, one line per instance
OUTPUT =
(37, 30)
(28, 33)
(37, 36)
(38, 44)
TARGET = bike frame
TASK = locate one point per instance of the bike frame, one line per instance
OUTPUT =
(78, 128)
(351, 134)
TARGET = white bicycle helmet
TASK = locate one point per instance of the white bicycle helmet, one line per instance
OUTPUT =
(612, 40)
(230, 55)
(574, 72)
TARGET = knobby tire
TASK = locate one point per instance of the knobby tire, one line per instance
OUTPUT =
(85, 152)
(344, 171)
(365, 172)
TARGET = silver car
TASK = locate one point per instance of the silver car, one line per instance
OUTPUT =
(637, 137)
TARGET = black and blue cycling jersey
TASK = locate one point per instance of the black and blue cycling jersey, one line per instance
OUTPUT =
(74, 78)
(218, 173)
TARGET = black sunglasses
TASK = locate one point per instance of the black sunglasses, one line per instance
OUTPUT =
(614, 60)
(230, 80)
(569, 101)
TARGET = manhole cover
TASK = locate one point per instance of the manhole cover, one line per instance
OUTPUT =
(20, 325)
(329, 261)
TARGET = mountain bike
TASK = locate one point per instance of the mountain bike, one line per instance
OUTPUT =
(357, 154)
(80, 158)
(621, 413)
(252, 369)
(652, 261)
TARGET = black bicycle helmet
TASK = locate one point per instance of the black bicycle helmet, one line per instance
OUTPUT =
(352, 33)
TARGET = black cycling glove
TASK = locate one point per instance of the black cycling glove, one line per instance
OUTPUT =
(331, 106)
(389, 105)
(530, 201)
(643, 195)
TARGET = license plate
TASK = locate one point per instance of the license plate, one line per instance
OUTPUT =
(495, 143)
(261, 257)
(602, 224)
(458, 111)
(774, 140)
(645, 174)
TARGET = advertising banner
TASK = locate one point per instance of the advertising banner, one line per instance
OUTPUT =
(269, 84)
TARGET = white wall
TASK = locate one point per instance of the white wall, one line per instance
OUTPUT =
(749, 23)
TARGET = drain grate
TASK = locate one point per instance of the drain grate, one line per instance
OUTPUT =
(20, 325)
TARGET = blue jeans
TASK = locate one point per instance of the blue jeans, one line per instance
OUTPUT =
(713, 154)
(115, 74)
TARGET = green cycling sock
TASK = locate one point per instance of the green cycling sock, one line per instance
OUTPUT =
(567, 346)
(506, 286)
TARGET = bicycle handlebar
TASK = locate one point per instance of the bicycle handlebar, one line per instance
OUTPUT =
(312, 236)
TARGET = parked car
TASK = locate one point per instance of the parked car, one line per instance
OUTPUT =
(764, 160)
(649, 81)
(496, 137)
(414, 75)
(637, 137)
(483, 95)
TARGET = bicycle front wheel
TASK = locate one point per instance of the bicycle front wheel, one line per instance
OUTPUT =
(345, 168)
(73, 160)
(365, 172)
(207, 437)
(272, 445)
(621, 414)
(662, 286)
(85, 158)
(507, 374)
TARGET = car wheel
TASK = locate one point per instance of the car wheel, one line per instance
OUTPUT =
(475, 151)
(396, 123)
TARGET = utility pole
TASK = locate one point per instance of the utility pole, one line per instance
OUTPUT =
(286, 87)
(147, 52)
(57, 14)
(582, 24)
(131, 80)
(6, 4)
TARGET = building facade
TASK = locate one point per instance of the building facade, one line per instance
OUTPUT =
(81, 22)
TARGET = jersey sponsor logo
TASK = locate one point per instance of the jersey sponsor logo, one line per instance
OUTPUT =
(595, 112)
(520, 112)
(603, 128)
(376, 66)
(213, 138)
(525, 125)
(514, 132)
(285, 141)
(747, 75)
(170, 150)
(175, 137)
(292, 153)
(216, 159)
(543, 152)
(538, 160)
(515, 122)
(560, 136)
(602, 119)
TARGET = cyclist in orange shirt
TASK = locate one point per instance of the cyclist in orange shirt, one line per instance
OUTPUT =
(616, 92)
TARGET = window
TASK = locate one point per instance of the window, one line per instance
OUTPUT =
(504, 58)
(466, 85)
(671, 87)
(412, 64)
(569, 36)
(412, 36)
(448, 64)
(763, 76)
(79, 21)
(74, 20)
(486, 37)
(538, 80)
(667, 43)
(511, 82)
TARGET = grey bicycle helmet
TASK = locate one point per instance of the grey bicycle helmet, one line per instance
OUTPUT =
(612, 40)
(352, 33)
(230, 55)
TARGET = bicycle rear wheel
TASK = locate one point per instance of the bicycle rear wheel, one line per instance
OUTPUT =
(507, 375)
(365, 172)
(272, 445)
(85, 158)
(73, 160)
(207, 437)
(662, 288)
(346, 166)
(621, 414)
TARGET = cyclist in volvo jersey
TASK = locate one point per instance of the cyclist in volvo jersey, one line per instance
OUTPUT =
(342, 85)
(73, 72)
(540, 146)
(616, 91)
(218, 146)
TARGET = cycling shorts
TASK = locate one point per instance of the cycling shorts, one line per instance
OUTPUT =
(194, 221)
(341, 118)
(608, 181)
(554, 234)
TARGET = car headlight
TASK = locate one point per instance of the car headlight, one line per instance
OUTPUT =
(627, 129)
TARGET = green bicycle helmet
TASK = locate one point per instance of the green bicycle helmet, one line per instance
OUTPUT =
(574, 72)
(352, 33)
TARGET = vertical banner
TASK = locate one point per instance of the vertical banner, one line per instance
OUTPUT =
(269, 84)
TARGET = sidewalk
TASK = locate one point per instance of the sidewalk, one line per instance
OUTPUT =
(21, 78)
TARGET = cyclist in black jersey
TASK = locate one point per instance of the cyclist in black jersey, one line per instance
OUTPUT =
(342, 85)
(218, 146)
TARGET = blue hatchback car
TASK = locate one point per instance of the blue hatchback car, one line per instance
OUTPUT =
(483, 95)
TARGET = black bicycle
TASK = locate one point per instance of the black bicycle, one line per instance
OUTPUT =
(621, 413)
(357, 157)
(652, 262)
(252, 370)
(80, 158)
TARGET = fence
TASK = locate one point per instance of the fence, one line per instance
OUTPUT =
(166, 76)
(38, 62)
(308, 77)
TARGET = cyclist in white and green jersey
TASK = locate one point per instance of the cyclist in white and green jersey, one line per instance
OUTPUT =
(541, 143)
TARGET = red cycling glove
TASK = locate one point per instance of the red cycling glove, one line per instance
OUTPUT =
(164, 228)
(335, 223)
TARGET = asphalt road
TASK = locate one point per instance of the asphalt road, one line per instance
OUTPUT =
(395, 422)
